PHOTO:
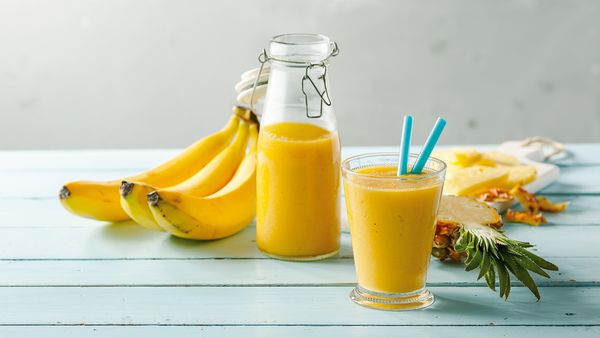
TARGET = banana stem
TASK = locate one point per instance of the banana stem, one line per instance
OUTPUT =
(64, 193)
(246, 114)
(153, 198)
(126, 188)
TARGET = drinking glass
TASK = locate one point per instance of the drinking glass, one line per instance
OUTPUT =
(392, 224)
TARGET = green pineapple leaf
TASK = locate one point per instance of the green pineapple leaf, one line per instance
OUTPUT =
(473, 259)
(485, 265)
(493, 253)
(490, 276)
(521, 274)
(539, 261)
(530, 265)
(503, 279)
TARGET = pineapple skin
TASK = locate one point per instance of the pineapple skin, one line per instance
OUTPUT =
(446, 235)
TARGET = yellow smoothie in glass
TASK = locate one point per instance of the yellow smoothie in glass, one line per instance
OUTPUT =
(298, 178)
(392, 225)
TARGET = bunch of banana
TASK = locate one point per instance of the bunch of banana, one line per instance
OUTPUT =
(206, 192)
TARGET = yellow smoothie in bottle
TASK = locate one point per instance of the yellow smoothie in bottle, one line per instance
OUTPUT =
(392, 224)
(298, 178)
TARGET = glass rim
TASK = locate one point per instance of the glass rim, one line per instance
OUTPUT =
(435, 173)
(318, 39)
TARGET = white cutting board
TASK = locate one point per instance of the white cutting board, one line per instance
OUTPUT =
(529, 154)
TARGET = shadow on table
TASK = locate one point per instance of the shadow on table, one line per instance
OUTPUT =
(127, 231)
(162, 244)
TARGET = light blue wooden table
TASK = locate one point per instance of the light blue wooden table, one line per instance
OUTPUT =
(62, 276)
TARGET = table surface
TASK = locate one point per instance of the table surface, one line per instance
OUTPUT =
(63, 276)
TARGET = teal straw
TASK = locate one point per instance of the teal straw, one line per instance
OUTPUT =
(405, 145)
(429, 145)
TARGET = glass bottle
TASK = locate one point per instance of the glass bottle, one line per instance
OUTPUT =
(298, 171)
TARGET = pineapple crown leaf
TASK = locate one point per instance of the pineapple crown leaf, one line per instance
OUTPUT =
(493, 253)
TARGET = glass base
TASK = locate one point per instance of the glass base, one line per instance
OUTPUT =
(302, 258)
(392, 301)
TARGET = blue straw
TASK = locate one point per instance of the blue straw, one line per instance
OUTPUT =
(405, 145)
(429, 145)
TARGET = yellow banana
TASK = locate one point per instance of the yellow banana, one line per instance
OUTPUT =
(217, 172)
(211, 178)
(219, 215)
(134, 200)
(100, 200)
(91, 199)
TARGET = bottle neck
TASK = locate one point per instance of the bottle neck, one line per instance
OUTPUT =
(291, 97)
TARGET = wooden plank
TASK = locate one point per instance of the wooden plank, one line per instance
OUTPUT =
(125, 240)
(576, 180)
(43, 212)
(574, 272)
(580, 154)
(83, 160)
(260, 331)
(17, 212)
(287, 305)
(31, 184)
(107, 160)
(129, 241)
(582, 210)
(136, 159)
(551, 241)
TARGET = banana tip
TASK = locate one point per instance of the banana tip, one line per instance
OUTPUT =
(153, 198)
(64, 193)
(246, 114)
(126, 188)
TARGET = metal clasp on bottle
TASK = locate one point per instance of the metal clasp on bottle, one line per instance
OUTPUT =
(323, 95)
(263, 58)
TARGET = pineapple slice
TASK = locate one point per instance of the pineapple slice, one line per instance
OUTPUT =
(500, 158)
(549, 206)
(486, 162)
(471, 180)
(466, 157)
(460, 157)
(471, 172)
(520, 175)
(528, 201)
(532, 206)
(525, 217)
(459, 210)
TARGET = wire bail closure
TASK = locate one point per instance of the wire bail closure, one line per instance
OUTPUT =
(323, 95)
(263, 58)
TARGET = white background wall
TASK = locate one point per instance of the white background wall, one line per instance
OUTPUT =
(159, 73)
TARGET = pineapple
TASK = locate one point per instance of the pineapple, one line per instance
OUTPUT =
(465, 156)
(460, 157)
(520, 175)
(500, 158)
(452, 215)
(470, 172)
(534, 204)
(525, 217)
(469, 228)
(471, 180)
(549, 206)
(532, 207)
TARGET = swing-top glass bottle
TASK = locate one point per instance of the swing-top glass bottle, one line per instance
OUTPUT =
(298, 172)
